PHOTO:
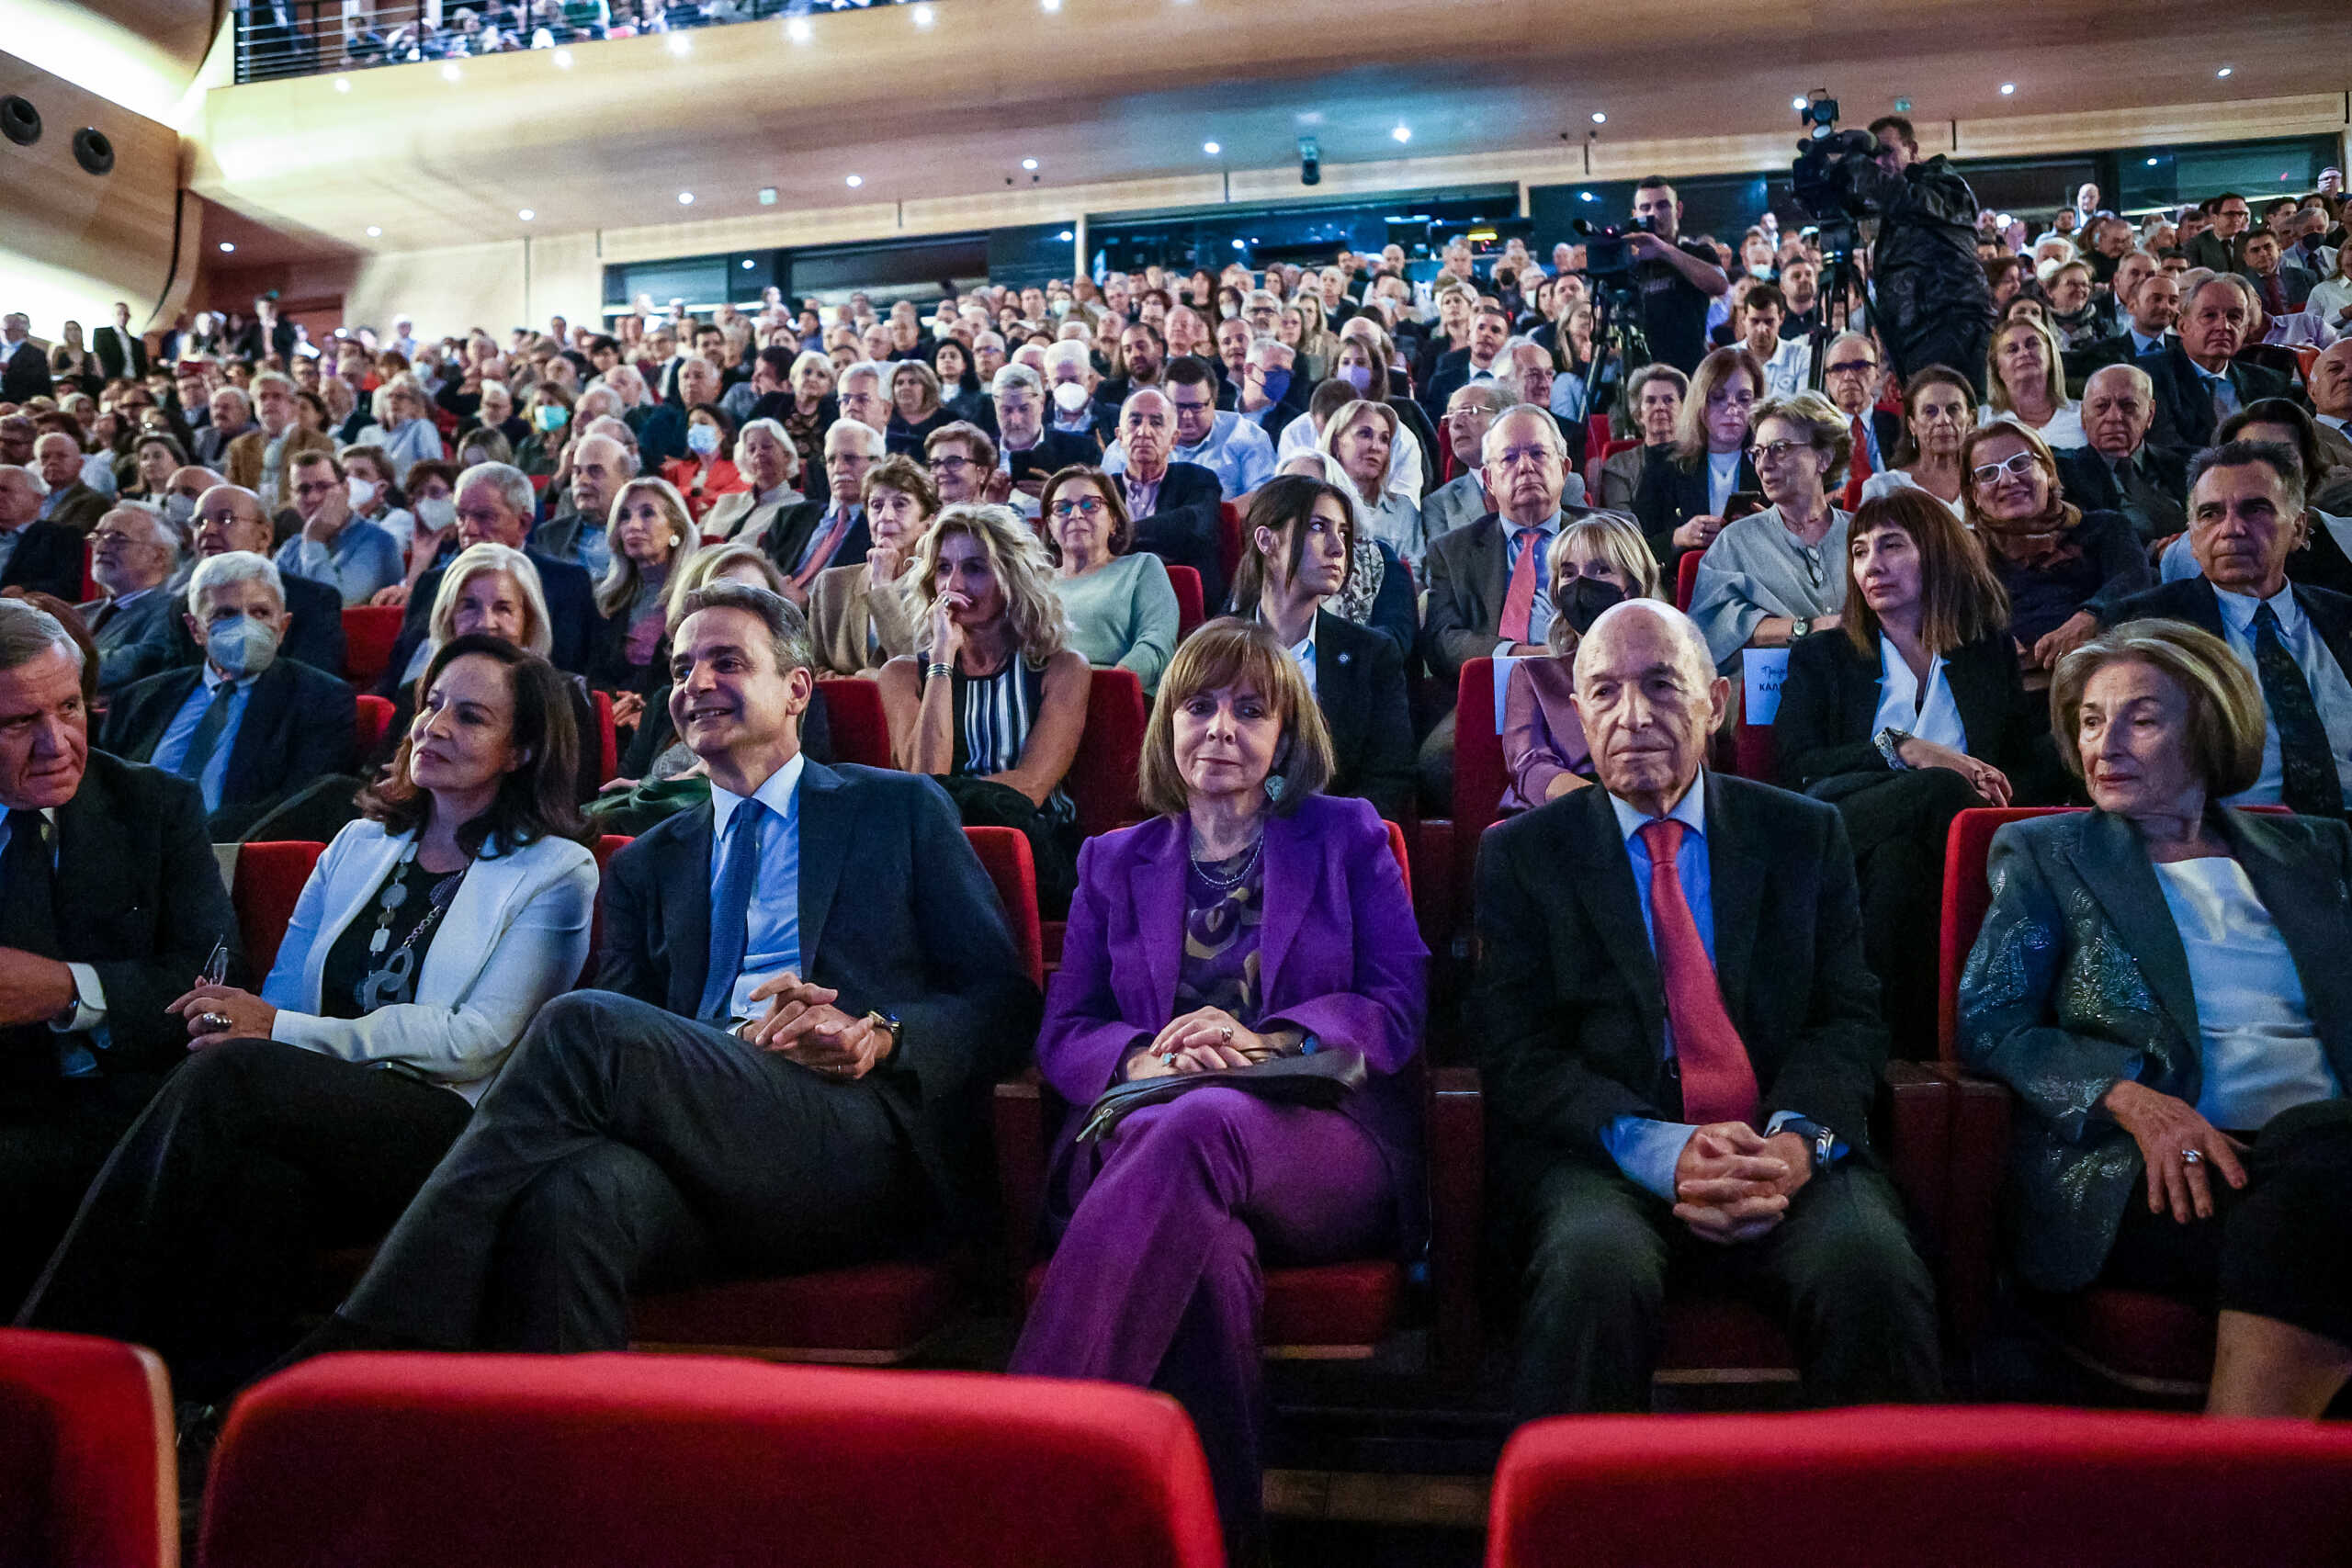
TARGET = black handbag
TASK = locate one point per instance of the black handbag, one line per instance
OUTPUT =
(1322, 1080)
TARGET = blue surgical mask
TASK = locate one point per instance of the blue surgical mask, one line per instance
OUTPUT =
(1276, 383)
(1357, 376)
(551, 417)
(702, 440)
(180, 511)
(239, 645)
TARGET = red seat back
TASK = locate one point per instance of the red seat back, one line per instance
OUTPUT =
(1686, 578)
(1479, 776)
(1966, 898)
(1005, 856)
(606, 848)
(375, 716)
(1229, 538)
(854, 716)
(87, 1474)
(1101, 781)
(620, 1461)
(368, 633)
(1404, 861)
(608, 738)
(1189, 606)
(1941, 1488)
(1754, 753)
(269, 880)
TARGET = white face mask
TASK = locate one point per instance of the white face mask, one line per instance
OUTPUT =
(363, 493)
(1070, 396)
(436, 512)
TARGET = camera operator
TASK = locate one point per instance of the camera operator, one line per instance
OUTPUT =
(1673, 280)
(1932, 304)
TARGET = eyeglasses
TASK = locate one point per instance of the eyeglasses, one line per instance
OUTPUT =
(1088, 508)
(950, 465)
(1852, 367)
(1765, 452)
(2018, 465)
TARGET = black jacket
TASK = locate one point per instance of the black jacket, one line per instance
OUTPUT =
(1182, 530)
(24, 375)
(2184, 421)
(573, 621)
(896, 914)
(1570, 1006)
(2090, 484)
(1359, 686)
(786, 538)
(1925, 274)
(2192, 599)
(139, 900)
(1055, 450)
(1829, 708)
(299, 727)
(1670, 495)
(313, 632)
(47, 559)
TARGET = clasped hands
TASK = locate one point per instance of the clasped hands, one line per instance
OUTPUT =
(1733, 1184)
(803, 1025)
(216, 1014)
(1199, 1042)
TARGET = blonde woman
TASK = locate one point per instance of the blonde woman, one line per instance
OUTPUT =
(1594, 562)
(1362, 437)
(2028, 381)
(403, 427)
(1685, 487)
(652, 534)
(993, 702)
(1314, 340)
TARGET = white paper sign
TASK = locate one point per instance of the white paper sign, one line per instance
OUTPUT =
(1761, 672)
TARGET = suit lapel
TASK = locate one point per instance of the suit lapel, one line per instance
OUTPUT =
(1980, 695)
(1494, 573)
(1292, 869)
(91, 874)
(168, 700)
(259, 727)
(1156, 894)
(2114, 866)
(686, 910)
(473, 921)
(827, 822)
(1736, 880)
(1605, 884)
(2334, 630)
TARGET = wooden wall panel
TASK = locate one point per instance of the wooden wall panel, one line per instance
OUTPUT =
(2310, 114)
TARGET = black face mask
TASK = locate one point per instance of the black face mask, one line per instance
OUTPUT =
(1584, 601)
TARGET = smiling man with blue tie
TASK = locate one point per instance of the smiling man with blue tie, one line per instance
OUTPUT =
(808, 988)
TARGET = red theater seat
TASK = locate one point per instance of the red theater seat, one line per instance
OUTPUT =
(1479, 775)
(269, 879)
(854, 716)
(1229, 538)
(368, 633)
(375, 716)
(625, 1462)
(1101, 781)
(1927, 1488)
(87, 1474)
(1686, 578)
(1191, 608)
(873, 1314)
(608, 736)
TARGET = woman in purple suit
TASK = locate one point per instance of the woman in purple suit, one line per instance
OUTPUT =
(1252, 917)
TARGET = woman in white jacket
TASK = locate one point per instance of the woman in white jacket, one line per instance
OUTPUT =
(426, 938)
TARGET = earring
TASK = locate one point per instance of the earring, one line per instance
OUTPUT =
(1274, 788)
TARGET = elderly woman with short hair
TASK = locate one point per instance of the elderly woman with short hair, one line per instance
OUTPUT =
(2161, 979)
(1773, 577)
(1122, 606)
(403, 427)
(2058, 563)
(1253, 919)
(859, 617)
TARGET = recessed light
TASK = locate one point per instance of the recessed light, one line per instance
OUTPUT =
(226, 247)
(767, 195)
(2008, 89)
(686, 199)
(450, 72)
(562, 58)
(923, 15)
(680, 44)
(2152, 163)
(1211, 148)
(1029, 162)
(1797, 103)
(1402, 133)
(375, 232)
(1067, 236)
(343, 83)
(749, 264)
(799, 31)
(2225, 70)
(1599, 118)
(1585, 196)
(1049, 5)
(1236, 245)
(526, 215)
(854, 181)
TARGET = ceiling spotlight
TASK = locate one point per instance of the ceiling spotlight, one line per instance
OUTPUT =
(1029, 163)
(767, 195)
(1599, 118)
(856, 180)
(526, 215)
(374, 232)
(2152, 163)
(747, 263)
(1211, 148)
(1066, 236)
(1797, 103)
(1586, 195)
(923, 15)
(562, 58)
(343, 83)
(226, 247)
(686, 199)
(799, 31)
(1236, 245)
(450, 72)
(2225, 70)
(1049, 5)
(680, 44)
(1402, 133)
(2008, 89)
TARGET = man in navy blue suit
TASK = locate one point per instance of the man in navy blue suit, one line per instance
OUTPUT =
(496, 505)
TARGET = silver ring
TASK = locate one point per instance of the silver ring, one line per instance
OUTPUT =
(2192, 1156)
(1168, 1060)
(214, 1022)
(1226, 1035)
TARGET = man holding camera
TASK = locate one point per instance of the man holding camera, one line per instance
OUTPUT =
(1672, 280)
(1932, 304)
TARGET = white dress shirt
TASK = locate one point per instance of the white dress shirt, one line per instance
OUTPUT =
(1932, 717)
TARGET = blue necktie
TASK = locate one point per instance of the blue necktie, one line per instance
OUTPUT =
(730, 912)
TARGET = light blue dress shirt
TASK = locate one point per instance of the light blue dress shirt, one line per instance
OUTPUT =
(1238, 452)
(358, 561)
(772, 934)
(172, 748)
(1647, 1150)
(2331, 690)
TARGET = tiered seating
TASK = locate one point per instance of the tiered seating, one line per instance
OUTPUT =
(1940, 1488)
(602, 1461)
(88, 1476)
(1102, 780)
(854, 715)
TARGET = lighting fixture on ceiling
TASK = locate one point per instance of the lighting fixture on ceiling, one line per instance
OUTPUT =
(1211, 148)
(924, 16)
(1029, 163)
(854, 181)
(747, 263)
(2225, 70)
(680, 44)
(343, 83)
(2008, 89)
(1402, 133)
(562, 58)
(1599, 118)
(375, 232)
(2152, 163)
(1066, 236)
(686, 199)
(1049, 5)
(799, 31)
(1585, 196)
(450, 72)
(526, 215)
(1797, 103)
(226, 247)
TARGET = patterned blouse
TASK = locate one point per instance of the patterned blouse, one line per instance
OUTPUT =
(1224, 905)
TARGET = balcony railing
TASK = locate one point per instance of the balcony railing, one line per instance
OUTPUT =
(304, 38)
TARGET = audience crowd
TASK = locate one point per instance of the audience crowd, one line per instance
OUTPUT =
(2104, 564)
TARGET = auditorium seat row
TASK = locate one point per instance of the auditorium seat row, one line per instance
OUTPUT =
(598, 1462)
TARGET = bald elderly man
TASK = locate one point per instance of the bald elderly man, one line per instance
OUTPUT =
(2118, 471)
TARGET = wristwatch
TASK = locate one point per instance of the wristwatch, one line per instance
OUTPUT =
(1800, 627)
(1819, 1140)
(890, 1025)
(1889, 742)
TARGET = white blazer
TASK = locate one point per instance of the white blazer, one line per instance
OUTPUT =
(515, 936)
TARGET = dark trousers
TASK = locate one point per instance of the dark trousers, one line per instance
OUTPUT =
(255, 1154)
(624, 1144)
(1922, 335)
(1898, 823)
(54, 1134)
(1839, 1272)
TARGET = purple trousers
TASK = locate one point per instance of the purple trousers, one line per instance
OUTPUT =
(1156, 1280)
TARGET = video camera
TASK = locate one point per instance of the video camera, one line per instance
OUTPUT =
(1823, 177)
(1606, 252)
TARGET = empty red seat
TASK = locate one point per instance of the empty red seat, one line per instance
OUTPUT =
(375, 716)
(1229, 538)
(1933, 1488)
(87, 1474)
(1101, 781)
(602, 1461)
(1191, 609)
(1479, 774)
(368, 633)
(1686, 578)
(269, 879)
(607, 737)
(854, 716)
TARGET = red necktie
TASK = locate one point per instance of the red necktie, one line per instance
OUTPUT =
(820, 550)
(1860, 469)
(1519, 600)
(1718, 1081)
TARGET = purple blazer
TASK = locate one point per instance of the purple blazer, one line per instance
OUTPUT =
(1340, 957)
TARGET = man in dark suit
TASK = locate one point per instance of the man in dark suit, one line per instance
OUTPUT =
(110, 903)
(495, 507)
(1175, 505)
(132, 555)
(2154, 310)
(2280, 287)
(2215, 247)
(1472, 571)
(24, 368)
(2245, 518)
(2118, 471)
(600, 466)
(1456, 368)
(1682, 1047)
(1271, 393)
(806, 538)
(807, 986)
(229, 518)
(1028, 453)
(70, 502)
(37, 555)
(120, 351)
(248, 728)
(2198, 381)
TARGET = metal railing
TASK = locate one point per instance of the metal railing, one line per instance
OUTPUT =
(278, 39)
